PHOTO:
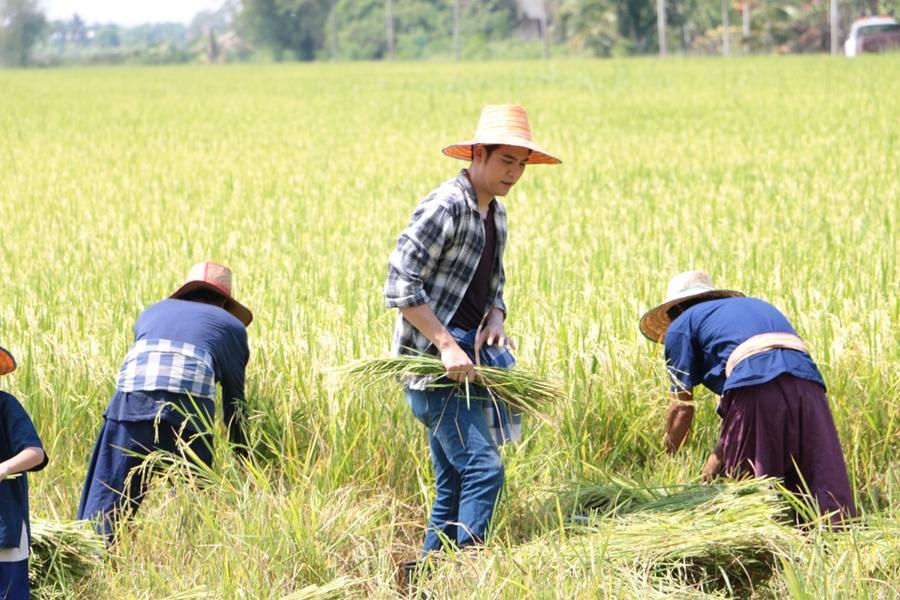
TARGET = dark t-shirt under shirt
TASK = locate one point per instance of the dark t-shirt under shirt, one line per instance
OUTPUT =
(474, 303)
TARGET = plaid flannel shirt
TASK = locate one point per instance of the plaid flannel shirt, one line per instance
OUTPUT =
(176, 367)
(435, 260)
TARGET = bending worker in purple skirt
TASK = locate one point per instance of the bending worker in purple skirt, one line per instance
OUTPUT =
(775, 416)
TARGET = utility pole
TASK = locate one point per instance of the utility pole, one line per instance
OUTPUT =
(726, 34)
(544, 33)
(746, 11)
(834, 28)
(389, 9)
(456, 28)
(661, 27)
(332, 29)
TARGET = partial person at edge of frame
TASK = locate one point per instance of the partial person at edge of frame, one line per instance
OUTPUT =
(21, 451)
(775, 416)
(166, 390)
(446, 277)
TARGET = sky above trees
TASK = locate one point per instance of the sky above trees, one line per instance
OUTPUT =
(128, 13)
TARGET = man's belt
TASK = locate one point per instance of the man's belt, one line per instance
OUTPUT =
(761, 343)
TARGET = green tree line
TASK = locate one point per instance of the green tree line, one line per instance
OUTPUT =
(417, 29)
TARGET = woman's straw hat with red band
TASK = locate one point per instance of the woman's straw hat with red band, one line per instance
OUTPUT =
(7, 362)
(215, 277)
(690, 285)
(505, 125)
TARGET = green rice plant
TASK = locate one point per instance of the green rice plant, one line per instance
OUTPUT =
(862, 561)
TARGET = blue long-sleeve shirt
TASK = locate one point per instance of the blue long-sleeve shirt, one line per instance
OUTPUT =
(17, 433)
(700, 340)
(215, 333)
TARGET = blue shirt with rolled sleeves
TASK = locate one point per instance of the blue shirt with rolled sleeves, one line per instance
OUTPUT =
(700, 340)
(17, 433)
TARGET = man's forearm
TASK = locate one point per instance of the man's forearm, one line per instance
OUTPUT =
(458, 364)
(424, 319)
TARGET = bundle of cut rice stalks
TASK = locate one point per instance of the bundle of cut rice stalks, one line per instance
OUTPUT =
(620, 496)
(710, 538)
(521, 391)
(62, 553)
(338, 589)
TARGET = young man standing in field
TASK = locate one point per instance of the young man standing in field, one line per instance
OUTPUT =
(775, 416)
(166, 389)
(446, 278)
(20, 451)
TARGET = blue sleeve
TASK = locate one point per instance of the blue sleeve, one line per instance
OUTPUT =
(233, 370)
(20, 430)
(682, 361)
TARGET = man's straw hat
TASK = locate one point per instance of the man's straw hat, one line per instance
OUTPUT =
(7, 362)
(215, 277)
(690, 285)
(506, 125)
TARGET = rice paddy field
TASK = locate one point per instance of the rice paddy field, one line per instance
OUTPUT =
(778, 176)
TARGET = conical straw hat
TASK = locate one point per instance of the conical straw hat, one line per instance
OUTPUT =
(506, 125)
(217, 278)
(7, 362)
(684, 286)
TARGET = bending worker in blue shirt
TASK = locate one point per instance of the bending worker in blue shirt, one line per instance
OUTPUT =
(20, 451)
(775, 416)
(446, 278)
(166, 391)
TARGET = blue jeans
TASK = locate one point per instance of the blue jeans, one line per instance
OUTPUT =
(467, 468)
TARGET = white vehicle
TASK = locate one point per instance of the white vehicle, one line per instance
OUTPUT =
(871, 34)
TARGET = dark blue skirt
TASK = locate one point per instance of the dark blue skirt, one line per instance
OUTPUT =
(14, 580)
(122, 447)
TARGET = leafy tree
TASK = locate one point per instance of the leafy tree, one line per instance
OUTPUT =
(21, 26)
(602, 25)
(590, 25)
(77, 30)
(421, 27)
(361, 29)
(637, 22)
(107, 36)
(493, 19)
(294, 27)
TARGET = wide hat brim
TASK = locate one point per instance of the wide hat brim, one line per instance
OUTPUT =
(537, 156)
(656, 321)
(7, 362)
(237, 309)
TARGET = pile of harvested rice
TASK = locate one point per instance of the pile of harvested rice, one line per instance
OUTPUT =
(62, 553)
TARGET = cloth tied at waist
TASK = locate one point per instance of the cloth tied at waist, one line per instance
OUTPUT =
(761, 343)
(505, 426)
(178, 367)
